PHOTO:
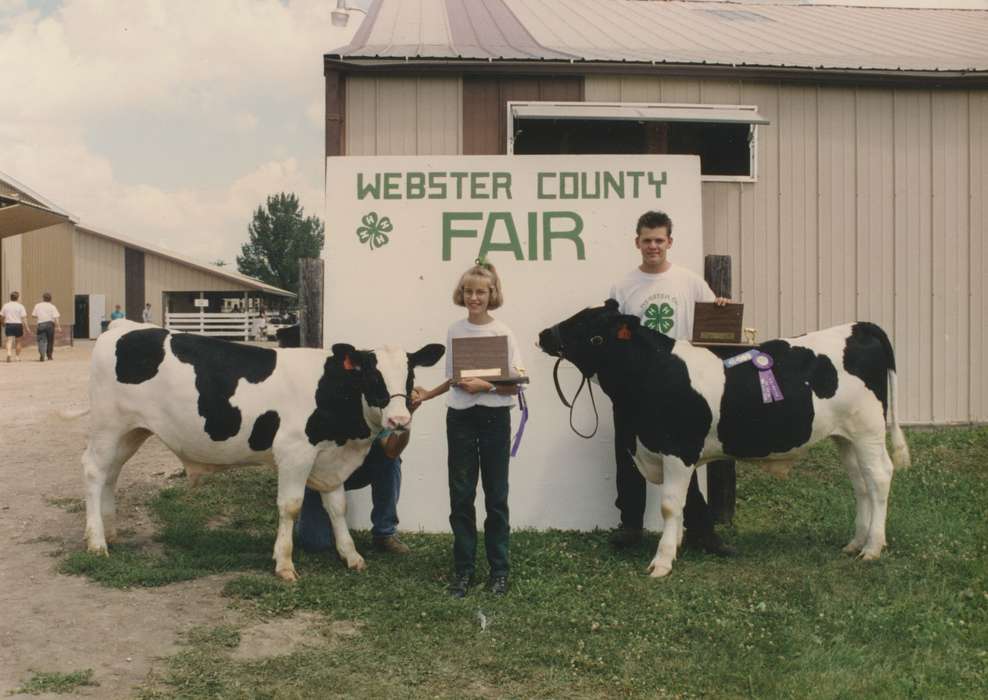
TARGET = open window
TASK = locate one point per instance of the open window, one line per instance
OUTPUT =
(724, 136)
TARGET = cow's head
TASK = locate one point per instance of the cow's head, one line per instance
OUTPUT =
(586, 337)
(385, 377)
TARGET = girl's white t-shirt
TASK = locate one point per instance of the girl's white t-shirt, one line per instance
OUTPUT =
(458, 398)
(13, 312)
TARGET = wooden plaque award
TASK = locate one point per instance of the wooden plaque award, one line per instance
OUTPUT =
(485, 358)
(717, 325)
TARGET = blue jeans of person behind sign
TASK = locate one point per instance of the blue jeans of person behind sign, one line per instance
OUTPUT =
(314, 531)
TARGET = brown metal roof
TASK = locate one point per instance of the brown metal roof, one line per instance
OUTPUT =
(754, 34)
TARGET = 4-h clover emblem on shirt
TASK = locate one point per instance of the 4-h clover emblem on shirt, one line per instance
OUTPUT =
(374, 231)
(659, 317)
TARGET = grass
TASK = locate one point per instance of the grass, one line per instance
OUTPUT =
(57, 682)
(792, 617)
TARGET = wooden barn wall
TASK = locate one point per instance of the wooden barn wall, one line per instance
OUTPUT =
(163, 275)
(47, 257)
(403, 116)
(99, 269)
(869, 205)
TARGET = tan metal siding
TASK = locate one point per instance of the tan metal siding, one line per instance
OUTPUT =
(13, 279)
(99, 269)
(47, 260)
(869, 205)
(403, 116)
(162, 275)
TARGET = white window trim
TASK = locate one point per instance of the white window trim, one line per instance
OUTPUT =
(646, 111)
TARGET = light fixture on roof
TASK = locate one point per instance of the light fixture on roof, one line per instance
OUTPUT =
(341, 14)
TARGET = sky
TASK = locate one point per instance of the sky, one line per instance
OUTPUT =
(168, 121)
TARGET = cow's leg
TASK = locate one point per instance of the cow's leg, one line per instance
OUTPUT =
(675, 484)
(650, 465)
(291, 490)
(335, 504)
(876, 466)
(101, 463)
(862, 517)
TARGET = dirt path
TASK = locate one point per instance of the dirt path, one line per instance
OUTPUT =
(51, 622)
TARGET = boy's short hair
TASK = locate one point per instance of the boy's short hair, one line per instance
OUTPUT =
(46, 296)
(485, 271)
(14, 296)
(653, 219)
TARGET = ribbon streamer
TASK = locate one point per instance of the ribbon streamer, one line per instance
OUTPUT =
(766, 377)
(521, 426)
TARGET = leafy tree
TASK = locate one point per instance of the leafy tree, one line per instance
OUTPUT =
(280, 234)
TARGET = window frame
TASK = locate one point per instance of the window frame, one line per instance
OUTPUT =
(645, 111)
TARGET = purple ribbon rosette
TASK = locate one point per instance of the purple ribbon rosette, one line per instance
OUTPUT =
(766, 377)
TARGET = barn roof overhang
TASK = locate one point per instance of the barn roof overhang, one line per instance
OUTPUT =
(18, 216)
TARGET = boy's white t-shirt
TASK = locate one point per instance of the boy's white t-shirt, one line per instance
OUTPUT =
(458, 398)
(664, 300)
(13, 312)
(45, 311)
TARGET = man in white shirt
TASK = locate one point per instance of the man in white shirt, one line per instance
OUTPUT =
(14, 322)
(47, 317)
(663, 296)
(146, 314)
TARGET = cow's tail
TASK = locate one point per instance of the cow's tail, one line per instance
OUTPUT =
(72, 415)
(900, 449)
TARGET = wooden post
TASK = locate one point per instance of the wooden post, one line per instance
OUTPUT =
(721, 475)
(310, 294)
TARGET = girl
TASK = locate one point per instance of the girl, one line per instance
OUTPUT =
(478, 431)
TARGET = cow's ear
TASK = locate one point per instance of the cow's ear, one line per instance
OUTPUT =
(427, 355)
(347, 355)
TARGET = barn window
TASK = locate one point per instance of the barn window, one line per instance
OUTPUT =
(722, 135)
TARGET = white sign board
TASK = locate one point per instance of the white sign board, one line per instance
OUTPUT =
(200, 303)
(560, 229)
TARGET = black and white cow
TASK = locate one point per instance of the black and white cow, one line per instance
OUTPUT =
(688, 409)
(311, 414)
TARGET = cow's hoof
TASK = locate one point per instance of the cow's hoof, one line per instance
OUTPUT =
(99, 550)
(356, 563)
(870, 554)
(657, 570)
(852, 547)
(290, 575)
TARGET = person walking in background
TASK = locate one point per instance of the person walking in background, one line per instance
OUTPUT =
(117, 313)
(14, 321)
(146, 314)
(46, 315)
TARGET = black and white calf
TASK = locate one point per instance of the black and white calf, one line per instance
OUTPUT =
(215, 404)
(688, 409)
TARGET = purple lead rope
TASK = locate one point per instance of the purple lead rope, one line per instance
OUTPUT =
(521, 426)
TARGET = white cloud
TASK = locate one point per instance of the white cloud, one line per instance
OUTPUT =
(246, 75)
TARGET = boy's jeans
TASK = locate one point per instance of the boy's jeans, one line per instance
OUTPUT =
(313, 529)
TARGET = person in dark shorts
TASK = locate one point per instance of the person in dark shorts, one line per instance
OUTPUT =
(14, 322)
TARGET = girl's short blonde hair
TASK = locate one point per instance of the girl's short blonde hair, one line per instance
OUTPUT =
(485, 271)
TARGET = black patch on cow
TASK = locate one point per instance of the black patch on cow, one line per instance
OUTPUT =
(824, 378)
(339, 414)
(750, 428)
(868, 355)
(219, 366)
(139, 354)
(265, 428)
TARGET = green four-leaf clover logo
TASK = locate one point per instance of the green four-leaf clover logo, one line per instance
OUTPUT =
(374, 231)
(659, 318)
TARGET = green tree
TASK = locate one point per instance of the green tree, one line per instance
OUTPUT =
(280, 234)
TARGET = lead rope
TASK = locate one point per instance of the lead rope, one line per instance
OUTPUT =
(559, 390)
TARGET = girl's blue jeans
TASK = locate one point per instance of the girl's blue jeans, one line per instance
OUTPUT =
(313, 530)
(479, 444)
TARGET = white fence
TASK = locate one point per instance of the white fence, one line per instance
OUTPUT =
(239, 325)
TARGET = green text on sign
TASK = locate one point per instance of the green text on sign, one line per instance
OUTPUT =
(499, 232)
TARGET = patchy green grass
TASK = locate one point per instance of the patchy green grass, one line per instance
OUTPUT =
(57, 682)
(69, 505)
(791, 617)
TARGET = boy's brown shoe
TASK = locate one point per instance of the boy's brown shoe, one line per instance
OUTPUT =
(390, 544)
